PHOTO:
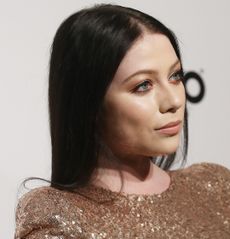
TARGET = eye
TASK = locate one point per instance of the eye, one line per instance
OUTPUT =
(143, 87)
(177, 76)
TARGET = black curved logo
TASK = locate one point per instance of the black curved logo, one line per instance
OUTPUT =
(193, 76)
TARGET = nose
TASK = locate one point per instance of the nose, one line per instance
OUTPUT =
(171, 98)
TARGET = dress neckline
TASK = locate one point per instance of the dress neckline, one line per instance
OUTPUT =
(91, 190)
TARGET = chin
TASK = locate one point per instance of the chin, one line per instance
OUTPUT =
(171, 150)
(164, 145)
(166, 149)
(167, 152)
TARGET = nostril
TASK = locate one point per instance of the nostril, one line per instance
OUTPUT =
(173, 109)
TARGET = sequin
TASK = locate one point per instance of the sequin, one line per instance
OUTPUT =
(196, 205)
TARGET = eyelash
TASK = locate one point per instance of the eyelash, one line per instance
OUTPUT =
(179, 74)
(138, 86)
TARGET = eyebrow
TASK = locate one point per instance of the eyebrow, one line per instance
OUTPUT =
(147, 71)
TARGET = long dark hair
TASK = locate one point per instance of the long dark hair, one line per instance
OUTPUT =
(86, 52)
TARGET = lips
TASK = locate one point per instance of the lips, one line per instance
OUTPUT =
(170, 129)
(171, 124)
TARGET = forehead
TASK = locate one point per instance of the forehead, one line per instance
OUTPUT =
(152, 51)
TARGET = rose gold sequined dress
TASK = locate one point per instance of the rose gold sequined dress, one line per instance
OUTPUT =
(196, 205)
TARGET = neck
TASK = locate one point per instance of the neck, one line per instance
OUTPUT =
(136, 176)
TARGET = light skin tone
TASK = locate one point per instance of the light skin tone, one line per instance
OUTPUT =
(146, 93)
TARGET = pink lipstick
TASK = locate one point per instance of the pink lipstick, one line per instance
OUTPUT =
(170, 129)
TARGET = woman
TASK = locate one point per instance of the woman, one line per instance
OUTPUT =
(117, 113)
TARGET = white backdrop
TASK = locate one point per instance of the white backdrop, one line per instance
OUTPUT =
(27, 28)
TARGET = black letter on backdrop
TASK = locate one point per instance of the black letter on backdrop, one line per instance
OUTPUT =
(191, 75)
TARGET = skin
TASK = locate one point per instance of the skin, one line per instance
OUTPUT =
(135, 105)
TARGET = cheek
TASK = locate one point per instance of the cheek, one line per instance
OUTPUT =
(125, 117)
(133, 110)
(124, 123)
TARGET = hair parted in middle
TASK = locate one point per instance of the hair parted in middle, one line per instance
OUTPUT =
(86, 52)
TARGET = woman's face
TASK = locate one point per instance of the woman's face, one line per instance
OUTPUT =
(145, 94)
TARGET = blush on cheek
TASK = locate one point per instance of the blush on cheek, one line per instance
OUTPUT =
(125, 118)
(135, 110)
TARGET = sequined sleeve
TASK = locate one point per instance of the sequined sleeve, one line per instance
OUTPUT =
(215, 179)
(213, 172)
(196, 205)
(221, 177)
(39, 216)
